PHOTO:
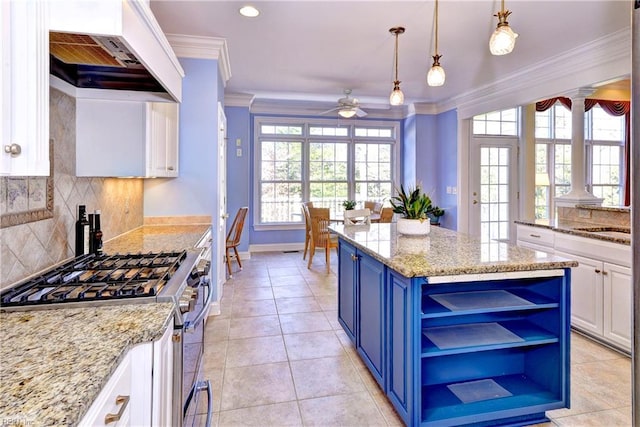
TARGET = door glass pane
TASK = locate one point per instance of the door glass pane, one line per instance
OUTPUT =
(494, 193)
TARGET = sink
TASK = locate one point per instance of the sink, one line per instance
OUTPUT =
(616, 232)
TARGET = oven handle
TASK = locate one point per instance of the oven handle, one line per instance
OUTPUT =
(197, 388)
(190, 325)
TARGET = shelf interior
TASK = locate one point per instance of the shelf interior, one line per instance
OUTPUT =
(440, 403)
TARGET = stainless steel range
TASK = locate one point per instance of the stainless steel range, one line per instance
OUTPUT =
(178, 277)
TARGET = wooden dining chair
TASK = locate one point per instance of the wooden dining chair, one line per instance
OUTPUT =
(374, 207)
(307, 226)
(321, 237)
(357, 216)
(386, 215)
(233, 238)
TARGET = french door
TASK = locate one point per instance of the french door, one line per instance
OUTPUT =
(493, 185)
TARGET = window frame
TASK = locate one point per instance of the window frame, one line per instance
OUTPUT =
(589, 143)
(307, 138)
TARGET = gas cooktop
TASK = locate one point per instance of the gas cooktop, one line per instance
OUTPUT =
(97, 278)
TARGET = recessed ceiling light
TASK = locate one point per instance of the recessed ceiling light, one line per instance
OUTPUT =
(249, 11)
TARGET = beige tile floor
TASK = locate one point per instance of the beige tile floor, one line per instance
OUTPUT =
(276, 356)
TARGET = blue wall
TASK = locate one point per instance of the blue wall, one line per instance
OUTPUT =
(408, 152)
(239, 174)
(195, 191)
(447, 158)
(426, 158)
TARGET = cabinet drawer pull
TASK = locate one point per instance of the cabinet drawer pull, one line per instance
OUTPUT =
(170, 168)
(354, 257)
(120, 400)
(604, 273)
(537, 236)
(597, 271)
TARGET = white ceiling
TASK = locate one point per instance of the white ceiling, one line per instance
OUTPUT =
(313, 50)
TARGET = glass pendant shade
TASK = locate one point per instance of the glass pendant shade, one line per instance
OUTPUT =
(396, 97)
(436, 76)
(347, 113)
(502, 40)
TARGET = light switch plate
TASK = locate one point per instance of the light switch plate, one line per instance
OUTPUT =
(239, 152)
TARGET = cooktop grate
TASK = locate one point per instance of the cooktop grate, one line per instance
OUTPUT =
(93, 278)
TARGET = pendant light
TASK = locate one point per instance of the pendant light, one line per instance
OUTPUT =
(396, 97)
(503, 38)
(436, 75)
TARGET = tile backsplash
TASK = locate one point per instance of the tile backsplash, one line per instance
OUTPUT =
(29, 248)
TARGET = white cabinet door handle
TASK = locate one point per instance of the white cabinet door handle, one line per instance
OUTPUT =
(120, 400)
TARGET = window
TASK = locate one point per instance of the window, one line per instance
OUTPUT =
(323, 161)
(604, 142)
(503, 122)
(604, 136)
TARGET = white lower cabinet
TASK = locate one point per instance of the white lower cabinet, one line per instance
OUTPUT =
(139, 391)
(113, 405)
(617, 312)
(587, 294)
(162, 381)
(601, 290)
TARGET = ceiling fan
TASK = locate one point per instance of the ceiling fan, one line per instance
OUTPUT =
(347, 107)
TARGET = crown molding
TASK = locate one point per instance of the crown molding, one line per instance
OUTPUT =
(603, 59)
(238, 100)
(200, 47)
(310, 108)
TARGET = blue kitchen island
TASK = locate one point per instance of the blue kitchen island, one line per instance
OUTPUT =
(454, 330)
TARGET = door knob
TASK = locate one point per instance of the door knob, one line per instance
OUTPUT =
(475, 202)
(224, 216)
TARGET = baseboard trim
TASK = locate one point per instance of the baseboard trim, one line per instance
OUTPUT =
(276, 247)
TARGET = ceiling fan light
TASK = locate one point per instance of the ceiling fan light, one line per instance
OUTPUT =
(436, 75)
(347, 113)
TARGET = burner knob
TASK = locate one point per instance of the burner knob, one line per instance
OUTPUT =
(184, 305)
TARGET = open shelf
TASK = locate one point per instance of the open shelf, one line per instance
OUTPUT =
(436, 305)
(455, 339)
(442, 407)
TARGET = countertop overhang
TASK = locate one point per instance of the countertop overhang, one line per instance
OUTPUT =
(444, 252)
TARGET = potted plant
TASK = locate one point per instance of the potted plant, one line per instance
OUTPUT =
(414, 206)
(349, 205)
(435, 214)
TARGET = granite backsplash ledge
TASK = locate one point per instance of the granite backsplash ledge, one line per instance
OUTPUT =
(26, 249)
(595, 216)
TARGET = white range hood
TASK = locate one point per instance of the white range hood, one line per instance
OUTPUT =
(131, 44)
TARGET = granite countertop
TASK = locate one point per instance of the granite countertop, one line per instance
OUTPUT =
(55, 362)
(444, 252)
(614, 234)
(156, 238)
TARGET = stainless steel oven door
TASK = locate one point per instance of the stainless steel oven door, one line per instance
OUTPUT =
(193, 349)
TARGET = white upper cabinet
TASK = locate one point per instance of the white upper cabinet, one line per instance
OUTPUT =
(24, 79)
(162, 139)
(126, 139)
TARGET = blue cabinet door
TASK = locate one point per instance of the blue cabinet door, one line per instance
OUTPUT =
(347, 288)
(401, 369)
(371, 317)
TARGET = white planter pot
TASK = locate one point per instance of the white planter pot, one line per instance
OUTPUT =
(413, 227)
